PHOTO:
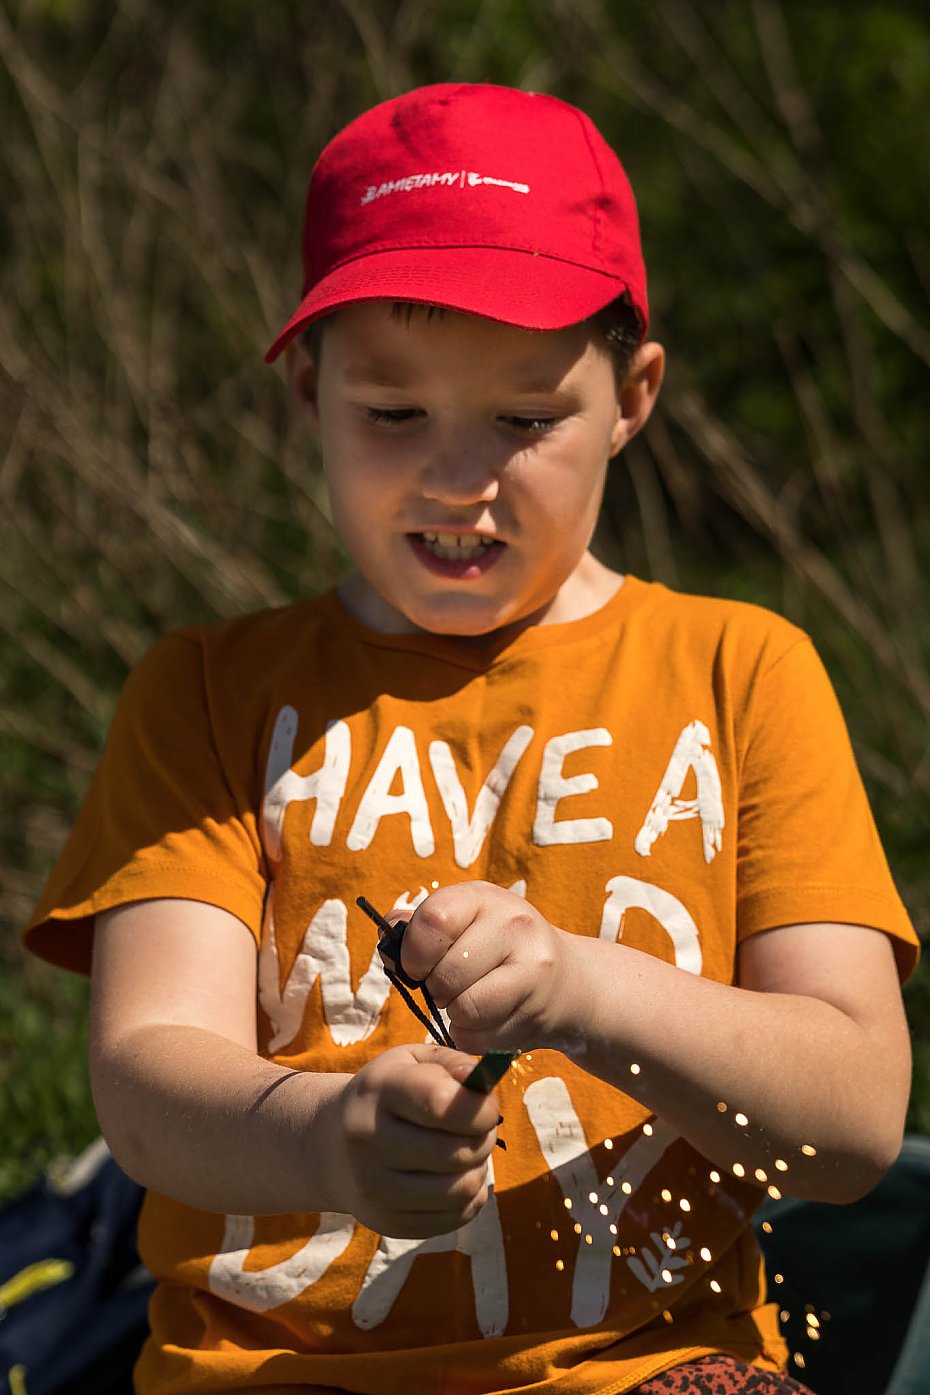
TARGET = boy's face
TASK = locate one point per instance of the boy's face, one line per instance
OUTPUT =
(466, 462)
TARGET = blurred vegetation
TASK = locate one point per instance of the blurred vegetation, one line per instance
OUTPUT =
(152, 472)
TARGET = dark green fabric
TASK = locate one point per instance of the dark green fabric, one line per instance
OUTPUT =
(866, 1265)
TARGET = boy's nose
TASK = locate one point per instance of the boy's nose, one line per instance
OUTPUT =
(460, 475)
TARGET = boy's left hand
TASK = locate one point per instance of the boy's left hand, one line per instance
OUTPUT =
(493, 962)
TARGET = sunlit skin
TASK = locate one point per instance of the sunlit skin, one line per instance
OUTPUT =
(448, 423)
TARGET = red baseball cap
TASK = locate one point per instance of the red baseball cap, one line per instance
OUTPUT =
(477, 198)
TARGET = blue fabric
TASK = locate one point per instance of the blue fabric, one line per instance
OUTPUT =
(82, 1334)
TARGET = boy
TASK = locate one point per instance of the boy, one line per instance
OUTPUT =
(625, 828)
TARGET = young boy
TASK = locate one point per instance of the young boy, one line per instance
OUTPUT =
(625, 828)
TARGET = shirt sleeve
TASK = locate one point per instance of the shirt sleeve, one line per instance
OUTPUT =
(808, 846)
(164, 815)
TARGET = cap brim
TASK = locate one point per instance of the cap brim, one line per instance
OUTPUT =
(517, 288)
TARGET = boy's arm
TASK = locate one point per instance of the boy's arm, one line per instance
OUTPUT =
(190, 1109)
(177, 1081)
(810, 1048)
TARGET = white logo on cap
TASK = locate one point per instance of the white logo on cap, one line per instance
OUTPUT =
(447, 179)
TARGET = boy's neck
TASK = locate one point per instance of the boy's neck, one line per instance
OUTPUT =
(589, 588)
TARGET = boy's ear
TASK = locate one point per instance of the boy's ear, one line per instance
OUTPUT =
(637, 397)
(302, 376)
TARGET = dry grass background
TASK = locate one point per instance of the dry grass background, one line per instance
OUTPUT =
(152, 472)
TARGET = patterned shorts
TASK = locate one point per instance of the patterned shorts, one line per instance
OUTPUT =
(720, 1375)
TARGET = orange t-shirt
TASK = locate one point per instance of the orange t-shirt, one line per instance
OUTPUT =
(671, 770)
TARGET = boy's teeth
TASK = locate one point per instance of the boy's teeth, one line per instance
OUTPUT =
(454, 546)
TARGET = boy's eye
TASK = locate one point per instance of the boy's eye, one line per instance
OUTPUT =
(531, 425)
(390, 416)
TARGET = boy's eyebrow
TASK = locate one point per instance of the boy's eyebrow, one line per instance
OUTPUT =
(384, 372)
(378, 372)
(546, 384)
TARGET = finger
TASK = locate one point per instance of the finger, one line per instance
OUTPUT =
(437, 923)
(427, 1192)
(430, 1053)
(493, 1005)
(397, 917)
(420, 1225)
(407, 1147)
(467, 963)
(431, 1095)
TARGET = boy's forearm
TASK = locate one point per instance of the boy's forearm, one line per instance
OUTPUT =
(794, 1073)
(205, 1120)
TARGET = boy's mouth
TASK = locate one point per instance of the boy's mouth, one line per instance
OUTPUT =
(456, 556)
(456, 547)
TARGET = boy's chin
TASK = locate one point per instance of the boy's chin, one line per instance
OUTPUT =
(476, 624)
(472, 625)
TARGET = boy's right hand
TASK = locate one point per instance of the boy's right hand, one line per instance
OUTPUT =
(410, 1145)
